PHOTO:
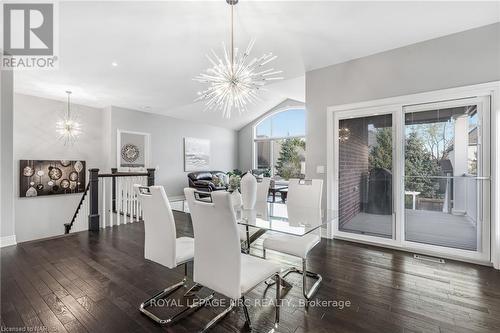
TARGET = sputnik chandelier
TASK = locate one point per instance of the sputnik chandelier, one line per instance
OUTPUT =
(67, 127)
(232, 81)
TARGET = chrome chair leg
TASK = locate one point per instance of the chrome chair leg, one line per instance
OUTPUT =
(247, 316)
(278, 300)
(307, 293)
(185, 273)
(285, 284)
(164, 293)
(193, 290)
(248, 240)
(218, 318)
(305, 273)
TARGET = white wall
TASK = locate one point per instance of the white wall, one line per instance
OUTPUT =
(7, 231)
(35, 137)
(167, 145)
(460, 59)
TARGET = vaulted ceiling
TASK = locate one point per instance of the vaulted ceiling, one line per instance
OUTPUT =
(158, 47)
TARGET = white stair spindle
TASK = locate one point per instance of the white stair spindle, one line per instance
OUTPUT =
(125, 195)
(124, 200)
(119, 198)
(143, 183)
(111, 214)
(103, 196)
(132, 196)
(83, 213)
(136, 201)
(76, 224)
(129, 179)
(130, 212)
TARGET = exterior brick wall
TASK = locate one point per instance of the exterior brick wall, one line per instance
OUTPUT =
(353, 168)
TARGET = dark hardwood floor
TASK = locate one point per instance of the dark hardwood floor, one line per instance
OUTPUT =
(88, 282)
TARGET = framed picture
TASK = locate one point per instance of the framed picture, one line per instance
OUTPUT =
(48, 177)
(132, 150)
(196, 154)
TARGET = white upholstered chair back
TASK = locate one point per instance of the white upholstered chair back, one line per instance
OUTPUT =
(217, 246)
(305, 193)
(263, 189)
(159, 225)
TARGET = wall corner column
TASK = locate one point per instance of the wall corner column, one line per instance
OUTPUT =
(8, 228)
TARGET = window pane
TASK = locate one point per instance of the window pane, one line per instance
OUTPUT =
(263, 130)
(441, 194)
(365, 175)
(284, 157)
(289, 158)
(289, 123)
(263, 151)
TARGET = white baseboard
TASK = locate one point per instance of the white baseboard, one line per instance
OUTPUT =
(458, 212)
(8, 241)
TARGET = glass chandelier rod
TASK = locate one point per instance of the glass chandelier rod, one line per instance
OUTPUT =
(232, 3)
(68, 111)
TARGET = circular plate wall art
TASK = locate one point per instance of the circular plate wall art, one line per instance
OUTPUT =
(73, 175)
(55, 173)
(65, 183)
(130, 153)
(28, 171)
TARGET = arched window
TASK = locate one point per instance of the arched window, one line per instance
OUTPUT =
(279, 141)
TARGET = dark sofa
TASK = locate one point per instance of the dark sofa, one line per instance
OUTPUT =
(202, 180)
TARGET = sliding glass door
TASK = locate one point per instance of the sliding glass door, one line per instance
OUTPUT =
(446, 173)
(415, 176)
(366, 175)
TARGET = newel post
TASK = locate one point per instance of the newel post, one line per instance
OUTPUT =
(94, 200)
(151, 177)
(113, 190)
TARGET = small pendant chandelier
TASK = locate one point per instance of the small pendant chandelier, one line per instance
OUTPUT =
(232, 81)
(68, 128)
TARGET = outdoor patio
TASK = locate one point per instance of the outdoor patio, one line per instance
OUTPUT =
(422, 226)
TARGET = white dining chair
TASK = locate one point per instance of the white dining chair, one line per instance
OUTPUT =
(305, 195)
(163, 247)
(263, 189)
(249, 234)
(219, 263)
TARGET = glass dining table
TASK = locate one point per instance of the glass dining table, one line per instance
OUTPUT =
(288, 219)
(282, 218)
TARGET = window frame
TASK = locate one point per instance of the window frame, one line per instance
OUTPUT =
(255, 140)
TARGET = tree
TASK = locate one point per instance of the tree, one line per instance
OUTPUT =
(419, 162)
(419, 166)
(381, 154)
(288, 164)
(436, 138)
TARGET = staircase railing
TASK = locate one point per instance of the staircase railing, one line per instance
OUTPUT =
(110, 198)
(67, 226)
